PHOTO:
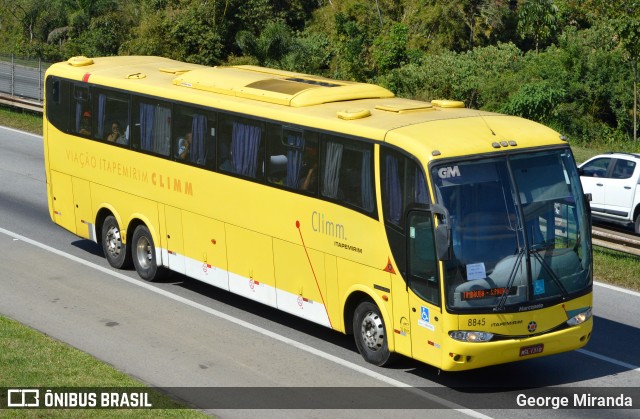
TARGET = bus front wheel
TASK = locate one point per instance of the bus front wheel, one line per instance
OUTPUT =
(370, 334)
(114, 249)
(144, 254)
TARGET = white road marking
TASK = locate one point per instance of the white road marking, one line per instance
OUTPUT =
(614, 288)
(23, 132)
(631, 367)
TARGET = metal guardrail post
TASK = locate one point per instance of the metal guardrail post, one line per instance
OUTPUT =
(40, 79)
(13, 73)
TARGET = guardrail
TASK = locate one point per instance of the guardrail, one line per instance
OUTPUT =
(22, 82)
(615, 241)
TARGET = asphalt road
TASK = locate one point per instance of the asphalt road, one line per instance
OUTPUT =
(182, 334)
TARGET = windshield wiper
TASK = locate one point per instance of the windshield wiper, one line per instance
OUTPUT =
(535, 251)
(512, 277)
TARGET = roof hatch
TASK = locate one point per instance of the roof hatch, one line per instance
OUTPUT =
(404, 105)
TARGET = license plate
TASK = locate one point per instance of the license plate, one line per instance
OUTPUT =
(531, 350)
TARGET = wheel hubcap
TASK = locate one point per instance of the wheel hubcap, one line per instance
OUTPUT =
(372, 331)
(143, 252)
(114, 242)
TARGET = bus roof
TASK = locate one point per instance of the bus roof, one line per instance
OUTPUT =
(440, 127)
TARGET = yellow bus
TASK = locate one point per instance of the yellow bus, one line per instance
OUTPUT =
(458, 237)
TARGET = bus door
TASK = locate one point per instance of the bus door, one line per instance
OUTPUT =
(426, 320)
(174, 253)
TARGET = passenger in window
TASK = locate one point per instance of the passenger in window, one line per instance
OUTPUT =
(184, 145)
(85, 123)
(116, 135)
(309, 179)
(225, 158)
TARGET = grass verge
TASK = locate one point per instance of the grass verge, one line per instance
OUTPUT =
(22, 120)
(31, 359)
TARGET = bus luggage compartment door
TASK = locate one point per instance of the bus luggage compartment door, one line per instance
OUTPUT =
(83, 211)
(62, 201)
(174, 239)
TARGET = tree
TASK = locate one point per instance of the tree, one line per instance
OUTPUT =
(270, 47)
(537, 19)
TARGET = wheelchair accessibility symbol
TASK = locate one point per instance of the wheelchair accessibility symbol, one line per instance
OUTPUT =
(424, 314)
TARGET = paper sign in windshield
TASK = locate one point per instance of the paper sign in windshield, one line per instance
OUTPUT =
(476, 271)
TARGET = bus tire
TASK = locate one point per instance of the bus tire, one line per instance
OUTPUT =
(115, 251)
(143, 251)
(370, 334)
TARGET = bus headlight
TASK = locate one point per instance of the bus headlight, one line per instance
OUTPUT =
(471, 336)
(580, 318)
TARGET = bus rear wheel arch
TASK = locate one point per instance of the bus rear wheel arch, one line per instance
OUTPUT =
(370, 334)
(143, 252)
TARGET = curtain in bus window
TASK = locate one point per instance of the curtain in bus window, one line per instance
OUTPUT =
(78, 115)
(393, 190)
(245, 142)
(197, 152)
(332, 164)
(422, 195)
(366, 181)
(147, 115)
(294, 159)
(162, 131)
(102, 104)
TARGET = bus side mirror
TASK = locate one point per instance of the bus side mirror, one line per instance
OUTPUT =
(442, 233)
(442, 242)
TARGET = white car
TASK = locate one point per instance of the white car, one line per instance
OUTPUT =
(612, 180)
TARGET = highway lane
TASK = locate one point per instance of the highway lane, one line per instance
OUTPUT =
(190, 334)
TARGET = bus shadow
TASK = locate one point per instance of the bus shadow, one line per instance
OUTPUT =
(256, 312)
(89, 246)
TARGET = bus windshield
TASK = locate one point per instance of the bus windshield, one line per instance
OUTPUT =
(518, 228)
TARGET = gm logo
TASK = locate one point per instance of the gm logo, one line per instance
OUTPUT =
(448, 172)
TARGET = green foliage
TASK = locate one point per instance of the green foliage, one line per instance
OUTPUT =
(270, 47)
(389, 49)
(534, 101)
(537, 19)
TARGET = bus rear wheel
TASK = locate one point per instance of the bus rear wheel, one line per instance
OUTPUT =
(144, 254)
(370, 334)
(115, 251)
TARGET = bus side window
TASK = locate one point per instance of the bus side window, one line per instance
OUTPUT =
(58, 103)
(293, 158)
(82, 110)
(152, 126)
(403, 185)
(422, 262)
(240, 147)
(193, 135)
(111, 122)
(347, 172)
